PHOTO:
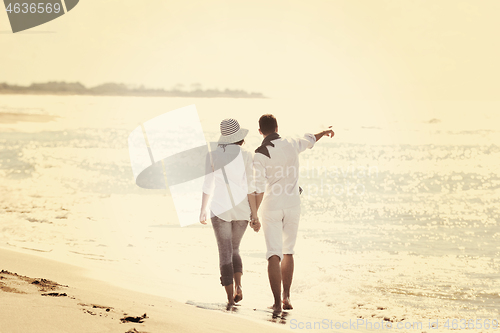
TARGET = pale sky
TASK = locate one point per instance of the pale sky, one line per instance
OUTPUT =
(343, 49)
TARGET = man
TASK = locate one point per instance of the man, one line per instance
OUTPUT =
(276, 164)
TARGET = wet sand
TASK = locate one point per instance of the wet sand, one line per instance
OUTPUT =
(12, 118)
(40, 295)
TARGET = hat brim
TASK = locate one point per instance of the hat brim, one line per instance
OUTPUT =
(235, 137)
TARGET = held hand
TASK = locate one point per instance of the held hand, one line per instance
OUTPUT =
(203, 217)
(252, 224)
(255, 225)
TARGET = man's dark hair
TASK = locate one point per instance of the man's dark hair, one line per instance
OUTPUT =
(268, 124)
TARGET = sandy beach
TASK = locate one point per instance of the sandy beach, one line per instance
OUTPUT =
(40, 295)
(399, 230)
(400, 218)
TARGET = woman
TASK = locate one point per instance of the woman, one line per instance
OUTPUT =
(229, 181)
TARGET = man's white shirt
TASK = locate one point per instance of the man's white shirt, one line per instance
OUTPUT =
(277, 176)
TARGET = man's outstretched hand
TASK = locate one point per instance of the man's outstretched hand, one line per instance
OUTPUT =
(329, 132)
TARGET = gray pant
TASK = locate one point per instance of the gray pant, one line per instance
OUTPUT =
(228, 235)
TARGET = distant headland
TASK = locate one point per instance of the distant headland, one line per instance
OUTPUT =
(120, 89)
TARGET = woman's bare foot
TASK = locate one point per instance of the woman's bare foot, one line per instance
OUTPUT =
(287, 305)
(238, 294)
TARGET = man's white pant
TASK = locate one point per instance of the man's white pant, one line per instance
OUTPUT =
(280, 230)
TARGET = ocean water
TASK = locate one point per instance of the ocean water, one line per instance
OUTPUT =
(400, 211)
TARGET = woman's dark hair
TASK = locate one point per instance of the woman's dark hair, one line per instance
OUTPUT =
(268, 124)
(239, 143)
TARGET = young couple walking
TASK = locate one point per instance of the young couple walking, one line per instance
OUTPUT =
(242, 186)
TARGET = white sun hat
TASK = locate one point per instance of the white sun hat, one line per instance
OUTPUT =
(231, 131)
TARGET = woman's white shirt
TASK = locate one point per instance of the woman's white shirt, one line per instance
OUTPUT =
(228, 180)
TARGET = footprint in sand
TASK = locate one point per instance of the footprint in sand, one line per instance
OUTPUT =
(12, 282)
(134, 319)
(94, 310)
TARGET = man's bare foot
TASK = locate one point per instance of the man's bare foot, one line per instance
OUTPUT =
(229, 305)
(276, 308)
(287, 305)
(238, 294)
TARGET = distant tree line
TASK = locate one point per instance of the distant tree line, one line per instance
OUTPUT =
(120, 89)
